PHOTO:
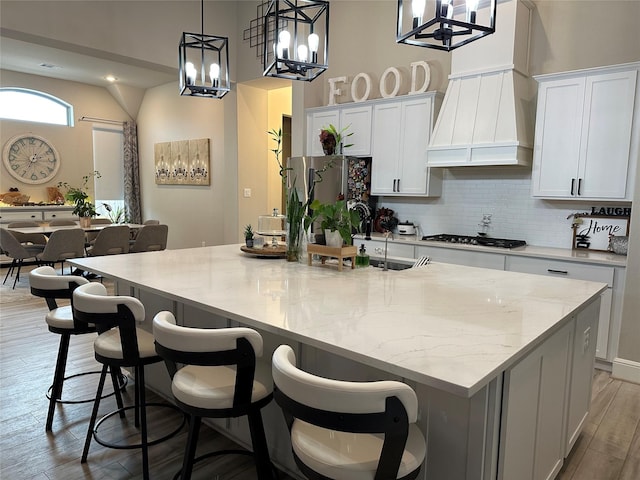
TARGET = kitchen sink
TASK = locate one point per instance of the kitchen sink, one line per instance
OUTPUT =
(374, 262)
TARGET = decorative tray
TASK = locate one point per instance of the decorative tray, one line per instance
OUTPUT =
(267, 251)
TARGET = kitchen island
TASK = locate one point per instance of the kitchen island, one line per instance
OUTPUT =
(501, 361)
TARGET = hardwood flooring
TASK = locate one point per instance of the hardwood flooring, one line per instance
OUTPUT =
(608, 449)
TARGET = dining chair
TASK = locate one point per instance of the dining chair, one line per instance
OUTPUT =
(17, 252)
(341, 429)
(120, 344)
(111, 240)
(91, 236)
(150, 238)
(63, 245)
(216, 373)
(134, 231)
(62, 222)
(33, 239)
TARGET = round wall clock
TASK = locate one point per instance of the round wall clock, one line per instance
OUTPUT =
(31, 158)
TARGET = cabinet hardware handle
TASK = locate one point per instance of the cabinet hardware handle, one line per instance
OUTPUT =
(394, 184)
(398, 186)
(579, 186)
(561, 272)
(573, 182)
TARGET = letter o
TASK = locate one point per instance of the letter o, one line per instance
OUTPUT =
(396, 88)
(354, 87)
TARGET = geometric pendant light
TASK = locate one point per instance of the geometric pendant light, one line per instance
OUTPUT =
(444, 24)
(296, 39)
(203, 63)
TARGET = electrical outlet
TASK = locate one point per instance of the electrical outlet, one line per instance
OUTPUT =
(247, 193)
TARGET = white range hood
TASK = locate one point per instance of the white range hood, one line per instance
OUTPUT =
(487, 116)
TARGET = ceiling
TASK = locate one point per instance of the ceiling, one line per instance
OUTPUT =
(79, 64)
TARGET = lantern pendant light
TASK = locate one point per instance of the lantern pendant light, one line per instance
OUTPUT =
(204, 63)
(454, 24)
(296, 39)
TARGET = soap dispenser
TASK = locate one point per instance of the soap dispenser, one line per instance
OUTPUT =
(362, 259)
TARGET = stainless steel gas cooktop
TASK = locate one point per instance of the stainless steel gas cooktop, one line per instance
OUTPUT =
(479, 240)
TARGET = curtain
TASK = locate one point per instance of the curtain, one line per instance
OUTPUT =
(132, 173)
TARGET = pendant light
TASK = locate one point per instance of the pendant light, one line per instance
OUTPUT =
(204, 63)
(454, 23)
(296, 34)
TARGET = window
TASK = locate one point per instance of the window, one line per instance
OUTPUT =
(33, 106)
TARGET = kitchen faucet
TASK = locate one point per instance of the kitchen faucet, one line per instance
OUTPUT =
(386, 239)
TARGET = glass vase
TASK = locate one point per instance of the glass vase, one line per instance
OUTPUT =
(294, 240)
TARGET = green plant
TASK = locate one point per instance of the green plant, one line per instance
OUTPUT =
(248, 232)
(338, 135)
(334, 216)
(79, 197)
(116, 215)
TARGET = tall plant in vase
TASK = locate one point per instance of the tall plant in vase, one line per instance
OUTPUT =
(78, 196)
(296, 208)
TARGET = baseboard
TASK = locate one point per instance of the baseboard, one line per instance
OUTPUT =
(626, 370)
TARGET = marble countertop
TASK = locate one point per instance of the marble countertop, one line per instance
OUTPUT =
(565, 254)
(448, 326)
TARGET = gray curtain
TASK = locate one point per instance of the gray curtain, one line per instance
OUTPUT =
(132, 173)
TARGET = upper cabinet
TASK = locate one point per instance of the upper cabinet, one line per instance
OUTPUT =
(400, 135)
(587, 134)
(356, 118)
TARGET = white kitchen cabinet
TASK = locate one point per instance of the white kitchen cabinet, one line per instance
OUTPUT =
(579, 271)
(585, 144)
(400, 136)
(356, 118)
(375, 248)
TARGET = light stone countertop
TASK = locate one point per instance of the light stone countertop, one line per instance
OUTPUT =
(564, 254)
(448, 326)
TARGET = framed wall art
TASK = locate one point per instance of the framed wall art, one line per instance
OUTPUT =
(182, 162)
(592, 232)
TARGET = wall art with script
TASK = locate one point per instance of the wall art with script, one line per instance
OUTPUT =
(594, 230)
(182, 162)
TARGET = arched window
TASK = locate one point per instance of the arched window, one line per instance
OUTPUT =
(33, 106)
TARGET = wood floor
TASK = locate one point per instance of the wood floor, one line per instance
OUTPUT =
(608, 449)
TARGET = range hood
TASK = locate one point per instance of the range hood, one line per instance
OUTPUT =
(487, 115)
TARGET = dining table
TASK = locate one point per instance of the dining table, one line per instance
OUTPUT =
(47, 229)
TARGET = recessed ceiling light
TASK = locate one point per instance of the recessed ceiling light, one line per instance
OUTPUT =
(111, 78)
(48, 65)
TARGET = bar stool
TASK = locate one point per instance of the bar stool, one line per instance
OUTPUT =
(46, 283)
(119, 344)
(354, 430)
(219, 379)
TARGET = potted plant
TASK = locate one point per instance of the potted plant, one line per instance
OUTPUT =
(337, 221)
(248, 236)
(331, 139)
(78, 196)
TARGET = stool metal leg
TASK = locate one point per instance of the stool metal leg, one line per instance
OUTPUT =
(143, 421)
(190, 448)
(94, 414)
(260, 449)
(58, 378)
(115, 373)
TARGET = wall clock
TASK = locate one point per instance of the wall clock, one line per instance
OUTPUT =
(31, 158)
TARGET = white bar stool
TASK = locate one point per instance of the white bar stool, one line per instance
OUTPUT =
(354, 430)
(120, 344)
(218, 378)
(46, 283)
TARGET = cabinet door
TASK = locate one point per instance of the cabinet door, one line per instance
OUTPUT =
(606, 139)
(316, 120)
(557, 138)
(386, 135)
(357, 121)
(416, 124)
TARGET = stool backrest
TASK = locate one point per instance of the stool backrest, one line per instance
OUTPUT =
(382, 407)
(46, 283)
(93, 304)
(237, 346)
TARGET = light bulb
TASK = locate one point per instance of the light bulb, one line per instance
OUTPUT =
(314, 42)
(417, 7)
(279, 50)
(302, 53)
(191, 72)
(284, 38)
(214, 74)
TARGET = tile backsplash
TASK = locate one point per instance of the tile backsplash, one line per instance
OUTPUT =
(504, 192)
